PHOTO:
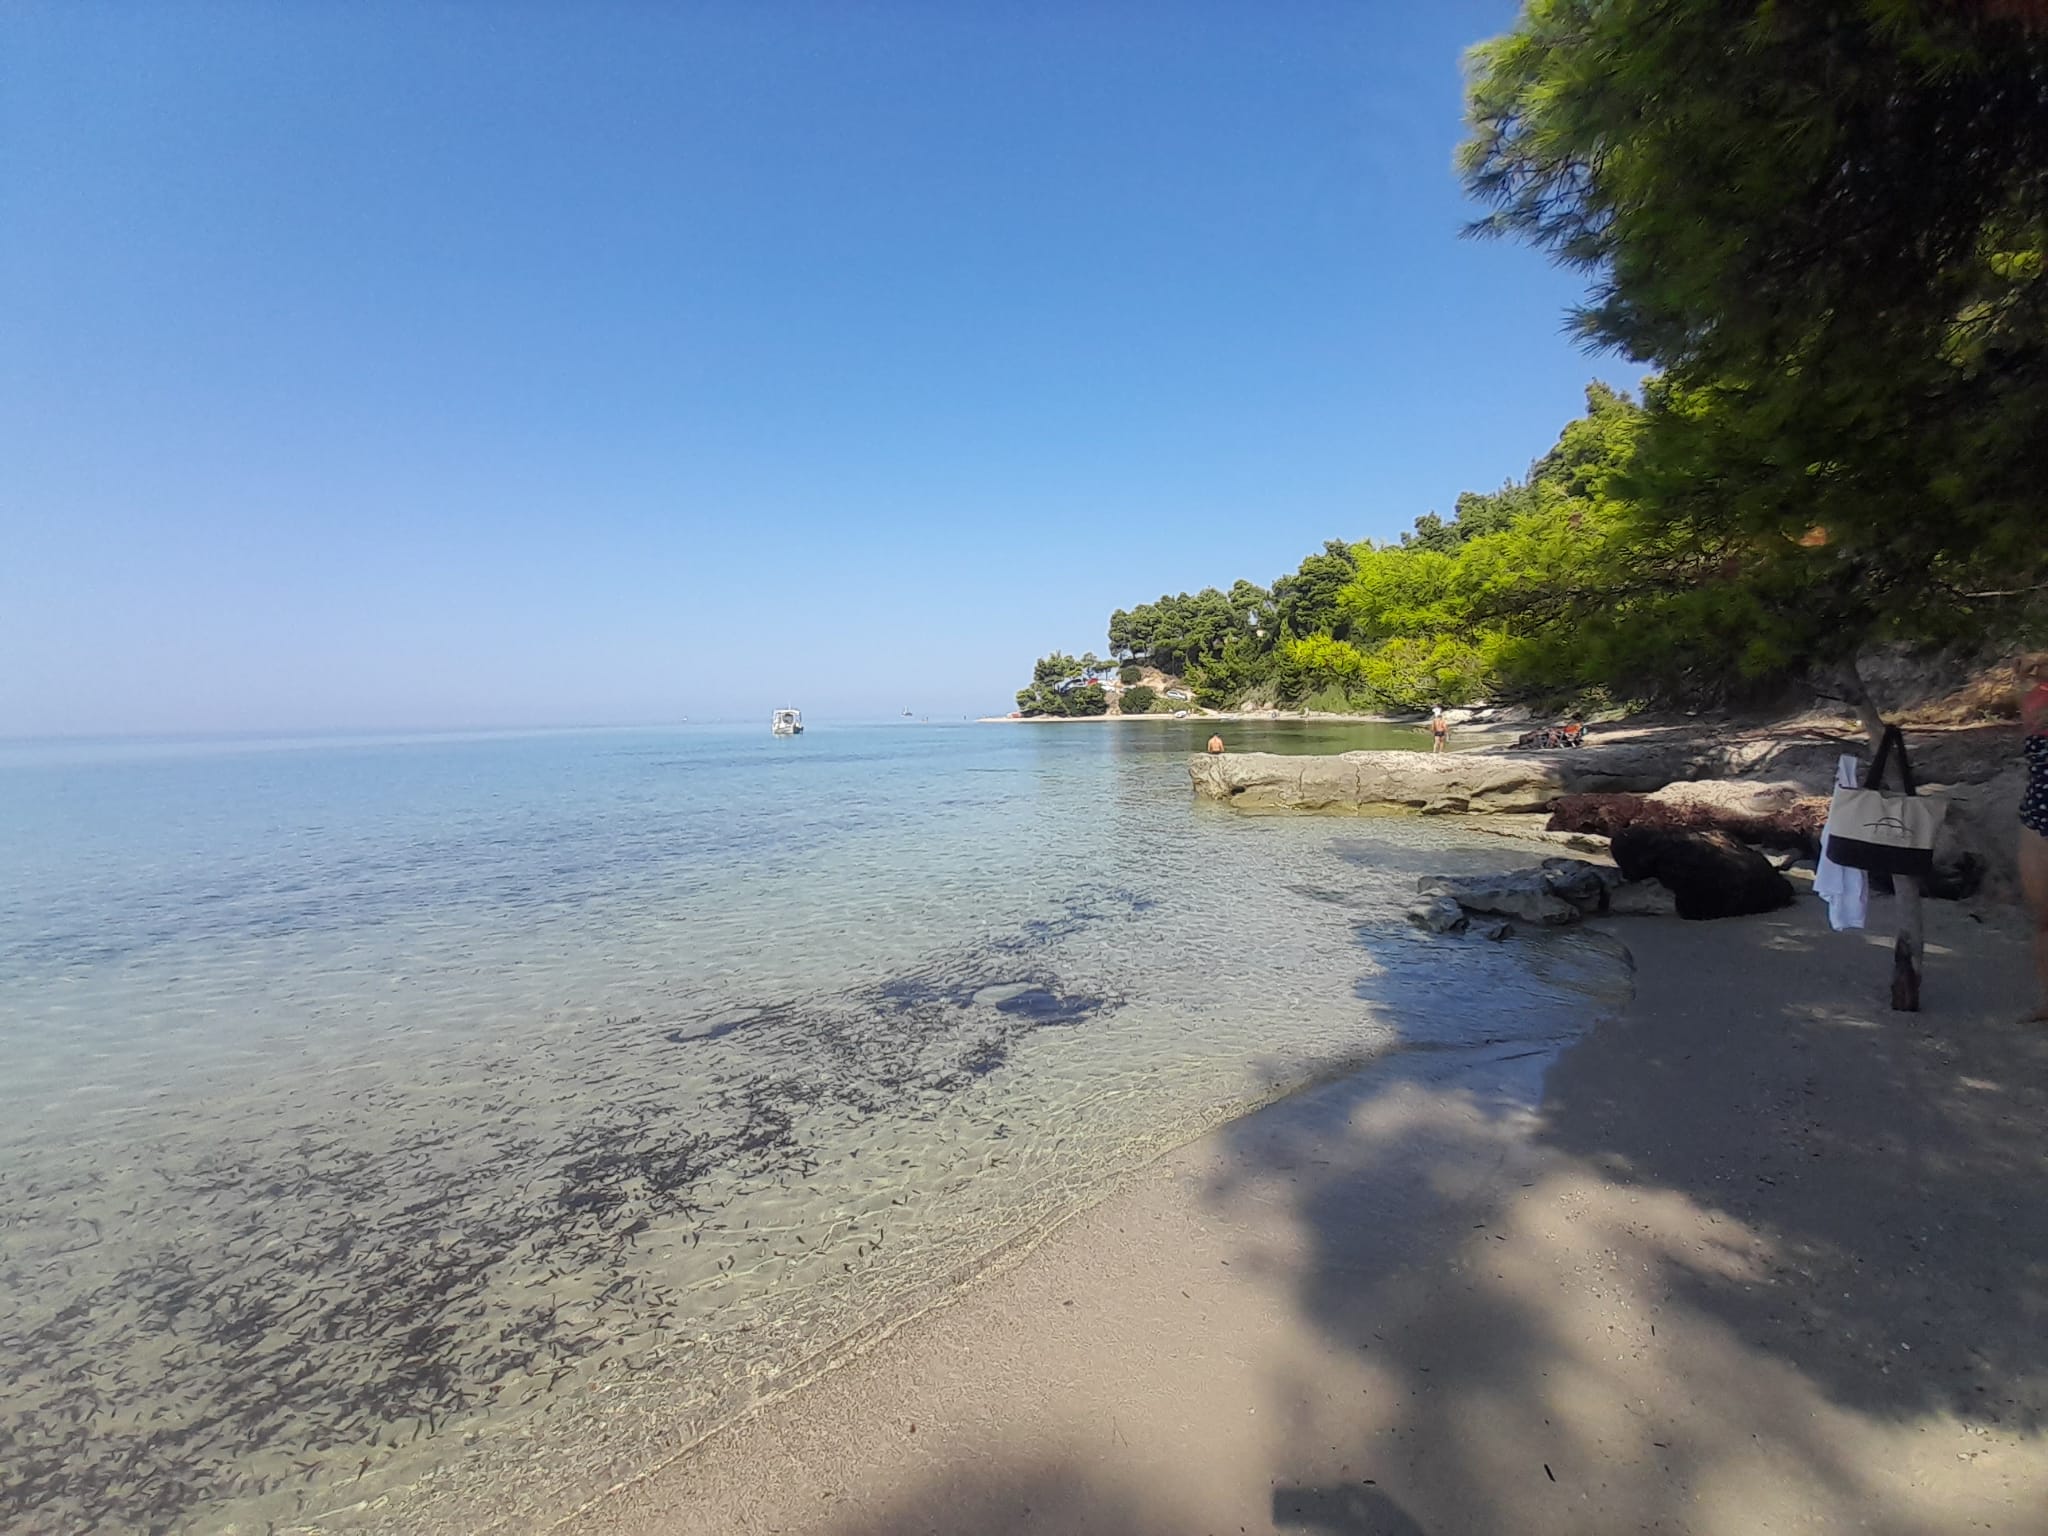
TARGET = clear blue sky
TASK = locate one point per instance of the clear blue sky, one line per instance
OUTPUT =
(454, 364)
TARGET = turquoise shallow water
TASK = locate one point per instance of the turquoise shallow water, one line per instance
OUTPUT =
(415, 1133)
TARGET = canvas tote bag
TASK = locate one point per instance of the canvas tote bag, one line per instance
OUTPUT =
(1889, 834)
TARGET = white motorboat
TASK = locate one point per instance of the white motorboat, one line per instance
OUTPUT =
(788, 722)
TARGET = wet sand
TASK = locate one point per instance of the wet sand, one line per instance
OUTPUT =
(1755, 1255)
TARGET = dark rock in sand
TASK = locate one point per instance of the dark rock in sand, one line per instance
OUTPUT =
(1709, 873)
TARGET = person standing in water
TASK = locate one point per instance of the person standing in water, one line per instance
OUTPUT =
(1215, 746)
(1439, 729)
(2033, 692)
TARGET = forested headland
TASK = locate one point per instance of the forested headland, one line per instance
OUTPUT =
(1827, 231)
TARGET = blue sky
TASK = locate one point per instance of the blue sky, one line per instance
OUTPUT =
(450, 364)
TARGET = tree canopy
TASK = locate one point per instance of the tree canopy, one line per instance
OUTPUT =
(1045, 696)
(1455, 610)
(1176, 632)
(1826, 226)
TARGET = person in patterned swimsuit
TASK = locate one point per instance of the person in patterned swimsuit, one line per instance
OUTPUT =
(2033, 691)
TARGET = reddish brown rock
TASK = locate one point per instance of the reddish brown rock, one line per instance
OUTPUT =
(1796, 825)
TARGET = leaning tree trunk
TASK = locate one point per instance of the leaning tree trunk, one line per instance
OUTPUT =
(1909, 948)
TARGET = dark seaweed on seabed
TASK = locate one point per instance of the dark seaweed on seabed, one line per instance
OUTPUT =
(328, 1301)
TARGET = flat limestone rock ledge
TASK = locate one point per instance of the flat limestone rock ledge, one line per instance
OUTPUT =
(1491, 781)
(1451, 783)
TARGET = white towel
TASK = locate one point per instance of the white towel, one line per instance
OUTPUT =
(1846, 891)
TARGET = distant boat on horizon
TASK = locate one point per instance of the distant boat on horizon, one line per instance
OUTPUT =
(787, 722)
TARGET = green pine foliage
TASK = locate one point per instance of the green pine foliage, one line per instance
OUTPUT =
(1826, 226)
(1045, 697)
(1457, 611)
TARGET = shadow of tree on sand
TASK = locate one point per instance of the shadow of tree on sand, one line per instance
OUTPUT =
(1740, 1263)
(1341, 1510)
(1896, 1165)
(1075, 1501)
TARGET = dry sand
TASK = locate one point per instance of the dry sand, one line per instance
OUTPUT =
(1755, 1256)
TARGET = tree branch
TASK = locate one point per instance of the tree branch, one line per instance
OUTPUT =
(2009, 591)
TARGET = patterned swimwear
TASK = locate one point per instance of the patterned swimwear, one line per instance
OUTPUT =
(2034, 802)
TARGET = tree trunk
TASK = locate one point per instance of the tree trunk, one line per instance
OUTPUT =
(1909, 947)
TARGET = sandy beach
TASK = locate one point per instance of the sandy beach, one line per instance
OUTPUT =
(1755, 1255)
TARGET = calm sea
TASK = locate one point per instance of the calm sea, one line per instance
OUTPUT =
(427, 1133)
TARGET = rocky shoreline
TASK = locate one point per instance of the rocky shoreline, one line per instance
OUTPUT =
(1766, 788)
